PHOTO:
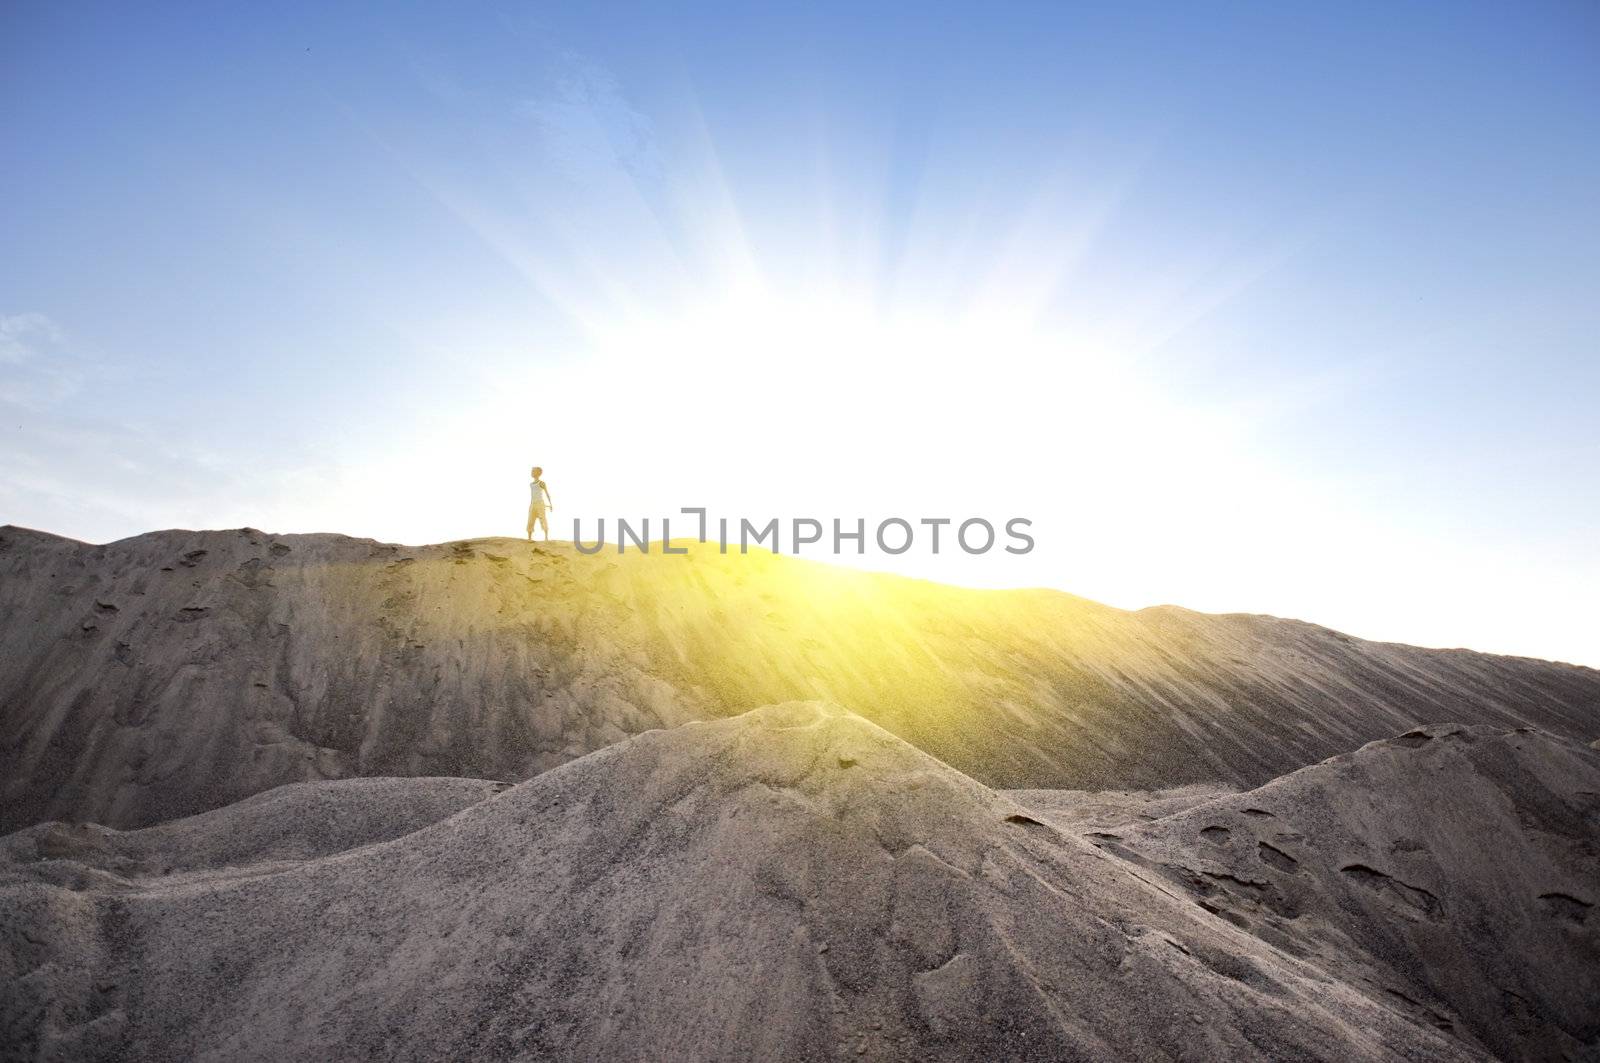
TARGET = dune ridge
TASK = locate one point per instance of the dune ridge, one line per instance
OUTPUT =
(793, 883)
(177, 672)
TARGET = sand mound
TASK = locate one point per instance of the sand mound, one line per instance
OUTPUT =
(1455, 870)
(296, 822)
(180, 671)
(794, 882)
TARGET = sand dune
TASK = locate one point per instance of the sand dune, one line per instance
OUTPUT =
(300, 821)
(1455, 870)
(177, 672)
(959, 825)
(791, 883)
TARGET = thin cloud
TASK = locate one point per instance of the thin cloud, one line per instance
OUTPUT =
(39, 370)
(23, 337)
(587, 122)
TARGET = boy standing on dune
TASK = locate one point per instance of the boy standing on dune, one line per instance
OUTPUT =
(538, 504)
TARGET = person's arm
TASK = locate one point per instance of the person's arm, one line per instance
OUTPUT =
(548, 499)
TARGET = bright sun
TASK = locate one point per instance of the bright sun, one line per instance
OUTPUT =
(761, 403)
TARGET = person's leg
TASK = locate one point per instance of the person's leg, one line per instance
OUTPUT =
(545, 524)
(532, 515)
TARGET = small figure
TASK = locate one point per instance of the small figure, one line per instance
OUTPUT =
(538, 504)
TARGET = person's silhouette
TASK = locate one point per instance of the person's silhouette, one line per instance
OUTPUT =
(538, 504)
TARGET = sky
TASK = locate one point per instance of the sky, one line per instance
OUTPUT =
(1273, 308)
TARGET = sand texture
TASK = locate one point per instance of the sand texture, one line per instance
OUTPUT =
(314, 797)
(792, 883)
(178, 672)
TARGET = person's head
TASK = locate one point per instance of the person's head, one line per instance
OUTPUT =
(537, 472)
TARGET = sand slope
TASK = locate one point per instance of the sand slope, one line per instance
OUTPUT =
(180, 671)
(299, 821)
(1455, 870)
(791, 883)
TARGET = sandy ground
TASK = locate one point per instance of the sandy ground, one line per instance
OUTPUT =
(313, 797)
(179, 671)
(1454, 870)
(798, 883)
(1089, 810)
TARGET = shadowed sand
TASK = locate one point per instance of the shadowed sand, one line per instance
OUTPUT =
(1452, 869)
(178, 671)
(794, 883)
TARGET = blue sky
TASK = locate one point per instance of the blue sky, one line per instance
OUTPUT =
(1251, 307)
